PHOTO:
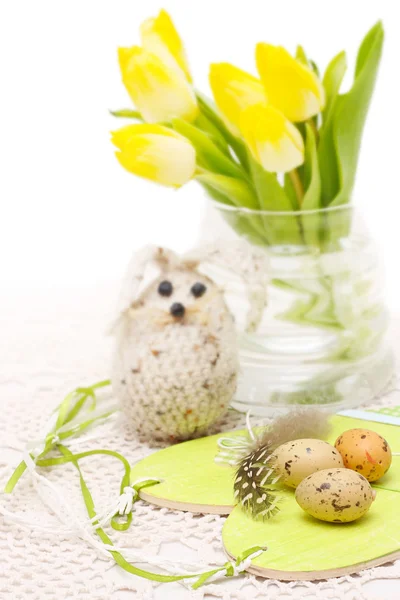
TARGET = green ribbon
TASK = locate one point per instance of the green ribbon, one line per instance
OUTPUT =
(116, 521)
(68, 410)
(69, 457)
(66, 413)
(128, 567)
(229, 567)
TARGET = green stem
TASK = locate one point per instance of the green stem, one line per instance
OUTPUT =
(314, 127)
(297, 185)
(235, 143)
(200, 171)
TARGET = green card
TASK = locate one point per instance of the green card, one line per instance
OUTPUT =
(299, 546)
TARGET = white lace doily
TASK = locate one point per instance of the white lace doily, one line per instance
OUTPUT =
(51, 342)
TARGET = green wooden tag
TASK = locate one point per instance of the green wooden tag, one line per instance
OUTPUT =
(191, 480)
(299, 547)
(303, 548)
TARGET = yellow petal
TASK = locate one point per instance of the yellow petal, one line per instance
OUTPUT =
(273, 140)
(156, 153)
(159, 92)
(234, 90)
(160, 37)
(121, 137)
(291, 87)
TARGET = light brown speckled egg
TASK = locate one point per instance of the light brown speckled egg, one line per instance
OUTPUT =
(335, 495)
(299, 458)
(365, 451)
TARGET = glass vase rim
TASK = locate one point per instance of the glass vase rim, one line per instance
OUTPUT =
(288, 213)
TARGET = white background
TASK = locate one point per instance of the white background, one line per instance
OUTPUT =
(70, 215)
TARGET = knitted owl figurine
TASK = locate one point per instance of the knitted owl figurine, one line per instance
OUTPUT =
(176, 363)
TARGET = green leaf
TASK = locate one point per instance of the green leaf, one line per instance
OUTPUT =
(314, 67)
(291, 192)
(237, 190)
(208, 155)
(312, 196)
(326, 151)
(302, 56)
(328, 163)
(215, 195)
(351, 111)
(127, 113)
(332, 81)
(311, 223)
(281, 229)
(271, 195)
(235, 143)
(340, 136)
(204, 123)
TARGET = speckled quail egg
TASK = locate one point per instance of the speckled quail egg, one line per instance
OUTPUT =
(365, 451)
(335, 495)
(297, 459)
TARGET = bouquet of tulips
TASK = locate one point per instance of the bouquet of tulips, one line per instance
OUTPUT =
(286, 140)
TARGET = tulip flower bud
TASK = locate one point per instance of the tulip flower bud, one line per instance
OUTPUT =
(160, 92)
(291, 87)
(160, 37)
(156, 153)
(273, 140)
(234, 90)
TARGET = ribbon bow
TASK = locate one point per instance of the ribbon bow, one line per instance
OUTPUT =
(231, 568)
(232, 449)
(126, 500)
(123, 506)
(64, 428)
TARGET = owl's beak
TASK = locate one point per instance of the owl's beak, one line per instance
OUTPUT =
(177, 310)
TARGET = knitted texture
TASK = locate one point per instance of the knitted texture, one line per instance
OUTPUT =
(175, 376)
(49, 345)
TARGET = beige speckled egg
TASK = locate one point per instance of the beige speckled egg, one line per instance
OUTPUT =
(365, 451)
(297, 459)
(335, 495)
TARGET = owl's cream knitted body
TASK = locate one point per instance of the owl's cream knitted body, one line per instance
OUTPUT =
(176, 375)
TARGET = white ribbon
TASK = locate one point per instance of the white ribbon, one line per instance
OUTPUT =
(232, 449)
(245, 564)
(56, 503)
(123, 505)
(237, 569)
(248, 425)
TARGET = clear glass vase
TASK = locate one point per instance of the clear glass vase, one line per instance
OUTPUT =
(323, 339)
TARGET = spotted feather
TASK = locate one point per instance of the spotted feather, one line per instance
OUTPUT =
(257, 484)
(253, 479)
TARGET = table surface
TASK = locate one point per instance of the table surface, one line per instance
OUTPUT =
(52, 341)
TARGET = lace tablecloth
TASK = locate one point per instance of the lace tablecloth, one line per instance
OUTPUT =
(52, 341)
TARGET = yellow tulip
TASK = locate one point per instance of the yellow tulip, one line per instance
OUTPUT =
(272, 139)
(160, 37)
(234, 90)
(159, 92)
(156, 153)
(291, 87)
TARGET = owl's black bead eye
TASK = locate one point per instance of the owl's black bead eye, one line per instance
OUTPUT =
(165, 288)
(198, 289)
